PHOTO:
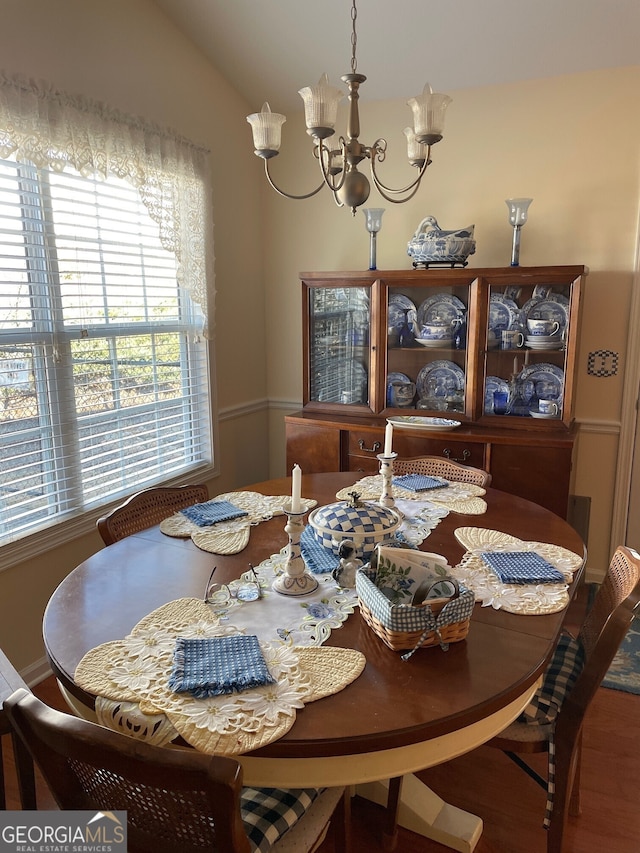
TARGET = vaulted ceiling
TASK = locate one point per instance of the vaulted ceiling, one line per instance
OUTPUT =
(269, 49)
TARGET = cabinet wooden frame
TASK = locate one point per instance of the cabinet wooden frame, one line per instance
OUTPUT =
(475, 359)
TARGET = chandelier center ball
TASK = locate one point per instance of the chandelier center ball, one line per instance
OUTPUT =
(355, 190)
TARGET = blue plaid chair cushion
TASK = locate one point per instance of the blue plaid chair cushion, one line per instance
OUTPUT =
(268, 813)
(560, 676)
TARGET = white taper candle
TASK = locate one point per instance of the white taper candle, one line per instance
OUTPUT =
(388, 439)
(296, 488)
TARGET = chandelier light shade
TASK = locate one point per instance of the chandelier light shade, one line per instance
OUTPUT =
(339, 165)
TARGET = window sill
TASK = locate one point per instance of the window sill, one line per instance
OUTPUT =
(63, 532)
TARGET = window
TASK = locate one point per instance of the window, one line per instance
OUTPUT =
(103, 370)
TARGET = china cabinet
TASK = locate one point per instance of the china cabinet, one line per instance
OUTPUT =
(459, 359)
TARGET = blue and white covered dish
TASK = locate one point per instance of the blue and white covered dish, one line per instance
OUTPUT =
(365, 523)
(432, 245)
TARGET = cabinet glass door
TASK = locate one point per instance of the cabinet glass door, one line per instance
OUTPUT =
(339, 334)
(427, 347)
(525, 350)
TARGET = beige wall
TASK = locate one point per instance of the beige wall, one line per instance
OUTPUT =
(570, 143)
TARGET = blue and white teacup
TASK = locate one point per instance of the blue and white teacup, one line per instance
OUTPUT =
(540, 327)
(548, 407)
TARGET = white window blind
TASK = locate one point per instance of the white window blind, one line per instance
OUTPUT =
(103, 371)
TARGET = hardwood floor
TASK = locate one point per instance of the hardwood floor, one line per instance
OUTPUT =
(486, 783)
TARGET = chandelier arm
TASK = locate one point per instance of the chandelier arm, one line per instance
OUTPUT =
(380, 186)
(289, 195)
(398, 200)
(322, 149)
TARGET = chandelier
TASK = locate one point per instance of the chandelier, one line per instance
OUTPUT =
(339, 166)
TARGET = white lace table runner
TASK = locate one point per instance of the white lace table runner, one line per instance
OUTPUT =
(130, 677)
(531, 599)
(230, 537)
(454, 497)
(305, 620)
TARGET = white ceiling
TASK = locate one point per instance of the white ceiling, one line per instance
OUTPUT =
(269, 49)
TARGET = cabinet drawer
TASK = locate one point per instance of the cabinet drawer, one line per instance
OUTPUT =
(366, 444)
(464, 452)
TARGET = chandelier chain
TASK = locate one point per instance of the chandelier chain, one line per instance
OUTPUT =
(354, 38)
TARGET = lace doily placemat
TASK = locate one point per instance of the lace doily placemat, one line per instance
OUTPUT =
(131, 678)
(532, 599)
(231, 537)
(463, 498)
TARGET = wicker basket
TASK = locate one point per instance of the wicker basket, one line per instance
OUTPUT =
(404, 627)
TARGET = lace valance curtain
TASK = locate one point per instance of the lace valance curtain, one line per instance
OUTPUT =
(52, 130)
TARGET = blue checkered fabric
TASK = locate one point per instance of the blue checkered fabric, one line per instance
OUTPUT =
(560, 676)
(317, 558)
(521, 567)
(419, 482)
(364, 519)
(268, 813)
(406, 618)
(211, 512)
(218, 665)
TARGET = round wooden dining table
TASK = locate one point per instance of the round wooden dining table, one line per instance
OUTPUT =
(398, 716)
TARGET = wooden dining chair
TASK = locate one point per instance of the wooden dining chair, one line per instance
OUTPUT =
(438, 466)
(177, 800)
(555, 719)
(10, 681)
(147, 508)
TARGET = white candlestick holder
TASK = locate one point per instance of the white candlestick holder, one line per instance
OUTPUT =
(386, 469)
(295, 580)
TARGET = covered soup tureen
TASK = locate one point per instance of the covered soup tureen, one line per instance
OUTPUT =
(365, 523)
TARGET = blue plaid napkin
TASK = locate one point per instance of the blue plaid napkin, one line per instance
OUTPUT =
(211, 512)
(317, 558)
(218, 665)
(419, 482)
(521, 567)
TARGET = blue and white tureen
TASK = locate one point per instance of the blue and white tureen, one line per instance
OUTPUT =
(365, 523)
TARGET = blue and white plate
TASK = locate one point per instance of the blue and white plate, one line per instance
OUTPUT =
(440, 379)
(503, 313)
(395, 377)
(547, 381)
(491, 384)
(416, 422)
(441, 306)
(399, 307)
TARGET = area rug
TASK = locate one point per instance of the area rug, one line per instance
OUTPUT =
(624, 672)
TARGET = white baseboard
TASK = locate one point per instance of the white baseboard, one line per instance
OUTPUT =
(36, 672)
